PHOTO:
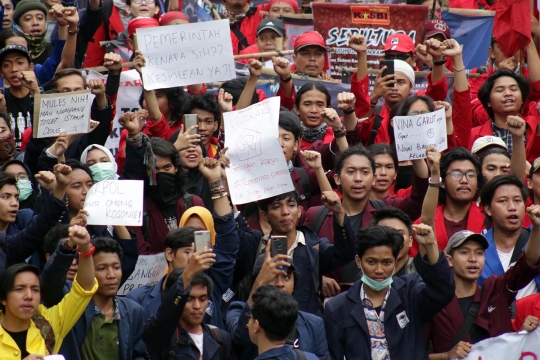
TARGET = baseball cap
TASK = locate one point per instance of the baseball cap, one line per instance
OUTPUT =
(272, 24)
(535, 166)
(14, 48)
(435, 27)
(399, 42)
(486, 141)
(461, 236)
(312, 38)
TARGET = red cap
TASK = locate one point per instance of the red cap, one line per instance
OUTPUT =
(435, 27)
(172, 15)
(399, 42)
(140, 23)
(293, 3)
(312, 38)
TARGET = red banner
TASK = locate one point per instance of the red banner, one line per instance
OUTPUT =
(375, 21)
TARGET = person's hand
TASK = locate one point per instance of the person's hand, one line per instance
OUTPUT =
(57, 12)
(210, 169)
(282, 67)
(224, 162)
(312, 158)
(139, 61)
(80, 236)
(516, 126)
(225, 101)
(346, 100)
(330, 287)
(80, 219)
(534, 214)
(71, 16)
(113, 62)
(62, 173)
(130, 122)
(46, 179)
(199, 261)
(96, 87)
(452, 48)
(255, 68)
(510, 63)
(331, 117)
(434, 161)
(434, 48)
(382, 84)
(424, 234)
(358, 43)
(29, 81)
(185, 140)
(460, 351)
(93, 125)
(530, 323)
(3, 104)
(332, 201)
(447, 108)
(272, 266)
(421, 52)
(60, 145)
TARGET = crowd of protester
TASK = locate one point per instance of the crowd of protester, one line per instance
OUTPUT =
(384, 259)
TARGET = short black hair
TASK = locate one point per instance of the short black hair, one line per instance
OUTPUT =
(459, 154)
(199, 279)
(166, 149)
(76, 164)
(275, 310)
(8, 34)
(107, 245)
(312, 86)
(205, 102)
(488, 191)
(50, 242)
(289, 196)
(235, 88)
(175, 97)
(482, 154)
(4, 115)
(402, 107)
(289, 121)
(390, 212)
(7, 279)
(383, 149)
(291, 270)
(353, 150)
(180, 238)
(375, 235)
(53, 83)
(7, 179)
(485, 90)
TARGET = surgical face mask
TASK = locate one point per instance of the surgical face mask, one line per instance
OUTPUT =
(25, 189)
(377, 285)
(103, 171)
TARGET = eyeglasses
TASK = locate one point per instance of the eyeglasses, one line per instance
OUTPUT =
(397, 56)
(141, 1)
(458, 175)
(414, 112)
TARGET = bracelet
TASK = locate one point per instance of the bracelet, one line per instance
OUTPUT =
(460, 70)
(287, 79)
(223, 194)
(135, 137)
(73, 32)
(348, 111)
(218, 190)
(216, 185)
(440, 62)
(341, 132)
(88, 253)
(437, 184)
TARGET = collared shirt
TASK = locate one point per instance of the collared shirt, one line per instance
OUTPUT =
(505, 135)
(375, 324)
(300, 239)
(102, 341)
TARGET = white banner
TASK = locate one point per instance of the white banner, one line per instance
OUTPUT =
(186, 54)
(258, 169)
(512, 346)
(414, 134)
(148, 271)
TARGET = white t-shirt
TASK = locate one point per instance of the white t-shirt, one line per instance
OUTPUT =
(198, 340)
(505, 261)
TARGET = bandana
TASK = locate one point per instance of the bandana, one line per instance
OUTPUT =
(293, 3)
(172, 15)
(36, 44)
(314, 134)
(141, 23)
(235, 16)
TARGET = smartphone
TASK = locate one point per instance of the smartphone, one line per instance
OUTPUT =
(389, 68)
(189, 121)
(202, 240)
(278, 245)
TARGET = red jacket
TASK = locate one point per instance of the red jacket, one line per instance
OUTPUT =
(529, 305)
(248, 28)
(475, 223)
(95, 52)
(251, 49)
(472, 4)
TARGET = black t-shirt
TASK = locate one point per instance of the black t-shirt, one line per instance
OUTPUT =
(20, 111)
(350, 271)
(476, 332)
(20, 340)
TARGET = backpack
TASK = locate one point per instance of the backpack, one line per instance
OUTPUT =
(216, 334)
(188, 202)
(300, 355)
(304, 183)
(376, 124)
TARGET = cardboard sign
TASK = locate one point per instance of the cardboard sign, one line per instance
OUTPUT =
(148, 271)
(115, 202)
(258, 169)
(69, 112)
(186, 54)
(414, 134)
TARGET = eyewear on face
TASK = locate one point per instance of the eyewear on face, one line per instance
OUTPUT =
(397, 56)
(421, 112)
(141, 1)
(458, 175)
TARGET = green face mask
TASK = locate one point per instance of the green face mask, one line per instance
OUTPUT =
(25, 189)
(377, 285)
(102, 171)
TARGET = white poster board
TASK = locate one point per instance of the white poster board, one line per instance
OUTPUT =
(186, 54)
(258, 169)
(414, 134)
(148, 271)
(115, 202)
(511, 346)
(69, 112)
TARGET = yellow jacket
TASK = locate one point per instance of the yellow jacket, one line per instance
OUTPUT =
(62, 318)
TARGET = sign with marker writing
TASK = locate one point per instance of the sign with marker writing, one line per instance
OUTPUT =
(69, 112)
(258, 168)
(115, 202)
(415, 133)
(186, 54)
(510, 346)
(148, 271)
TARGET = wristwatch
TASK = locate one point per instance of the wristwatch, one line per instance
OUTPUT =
(437, 184)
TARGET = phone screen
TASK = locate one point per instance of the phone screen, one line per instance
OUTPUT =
(202, 240)
(389, 68)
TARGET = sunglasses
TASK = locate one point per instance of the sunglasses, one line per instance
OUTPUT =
(402, 57)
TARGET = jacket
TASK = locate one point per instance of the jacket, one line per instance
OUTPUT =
(419, 298)
(221, 273)
(309, 328)
(498, 292)
(45, 72)
(161, 327)
(283, 353)
(61, 317)
(526, 306)
(247, 27)
(95, 52)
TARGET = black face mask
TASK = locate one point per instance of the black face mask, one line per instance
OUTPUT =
(164, 192)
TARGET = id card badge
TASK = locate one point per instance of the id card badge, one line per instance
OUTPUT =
(402, 319)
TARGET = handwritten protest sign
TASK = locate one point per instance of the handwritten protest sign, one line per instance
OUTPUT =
(414, 134)
(512, 346)
(186, 54)
(258, 169)
(115, 202)
(69, 112)
(148, 271)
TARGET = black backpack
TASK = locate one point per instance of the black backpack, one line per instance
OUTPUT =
(304, 183)
(376, 124)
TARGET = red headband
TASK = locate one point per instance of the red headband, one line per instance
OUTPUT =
(293, 3)
(172, 15)
(312, 38)
(141, 22)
